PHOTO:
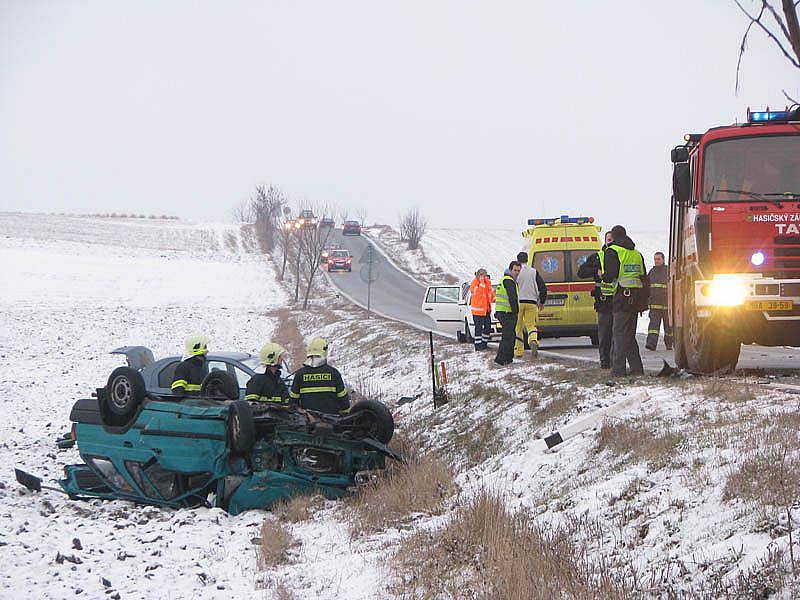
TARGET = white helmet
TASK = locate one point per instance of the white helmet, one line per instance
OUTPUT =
(196, 345)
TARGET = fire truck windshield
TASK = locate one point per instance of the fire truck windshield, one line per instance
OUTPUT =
(764, 169)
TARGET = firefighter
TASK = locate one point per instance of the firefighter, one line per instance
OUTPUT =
(623, 267)
(317, 385)
(269, 385)
(603, 295)
(191, 371)
(658, 304)
(481, 297)
(532, 294)
(506, 311)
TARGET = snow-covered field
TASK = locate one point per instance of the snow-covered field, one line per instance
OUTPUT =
(76, 288)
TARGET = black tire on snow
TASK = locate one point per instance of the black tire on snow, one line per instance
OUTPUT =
(241, 427)
(460, 337)
(376, 418)
(710, 345)
(595, 339)
(124, 394)
(220, 383)
(467, 333)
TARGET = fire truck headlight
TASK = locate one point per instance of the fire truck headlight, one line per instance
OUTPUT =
(725, 291)
(757, 259)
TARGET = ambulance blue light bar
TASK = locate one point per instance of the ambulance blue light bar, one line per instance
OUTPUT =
(562, 219)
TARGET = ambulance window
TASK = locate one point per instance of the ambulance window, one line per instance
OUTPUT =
(551, 265)
(577, 258)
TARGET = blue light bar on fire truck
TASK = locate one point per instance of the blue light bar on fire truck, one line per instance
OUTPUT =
(765, 116)
(561, 219)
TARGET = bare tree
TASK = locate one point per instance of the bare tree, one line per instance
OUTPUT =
(343, 214)
(267, 209)
(286, 237)
(782, 26)
(311, 241)
(361, 214)
(243, 212)
(412, 227)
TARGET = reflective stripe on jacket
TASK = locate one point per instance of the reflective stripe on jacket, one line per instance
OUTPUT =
(606, 289)
(658, 287)
(481, 296)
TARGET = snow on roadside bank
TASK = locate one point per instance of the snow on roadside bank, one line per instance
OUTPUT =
(74, 290)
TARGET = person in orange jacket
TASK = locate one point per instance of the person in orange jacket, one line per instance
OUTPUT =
(481, 298)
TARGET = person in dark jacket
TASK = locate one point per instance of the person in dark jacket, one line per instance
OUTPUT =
(659, 314)
(592, 268)
(506, 312)
(191, 371)
(269, 385)
(317, 385)
(624, 270)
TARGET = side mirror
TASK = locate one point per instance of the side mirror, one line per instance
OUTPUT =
(679, 154)
(681, 183)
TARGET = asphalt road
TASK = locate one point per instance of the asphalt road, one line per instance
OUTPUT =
(398, 296)
(393, 293)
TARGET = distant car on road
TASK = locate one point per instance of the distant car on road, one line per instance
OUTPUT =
(351, 228)
(327, 222)
(340, 260)
(307, 218)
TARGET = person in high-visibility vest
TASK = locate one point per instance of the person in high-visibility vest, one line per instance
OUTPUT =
(317, 385)
(603, 294)
(506, 311)
(191, 371)
(269, 385)
(624, 270)
(659, 314)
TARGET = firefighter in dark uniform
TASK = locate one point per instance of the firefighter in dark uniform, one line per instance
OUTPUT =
(624, 271)
(269, 386)
(191, 371)
(317, 385)
(603, 295)
(658, 304)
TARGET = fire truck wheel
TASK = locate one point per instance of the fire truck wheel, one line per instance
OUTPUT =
(710, 346)
(680, 349)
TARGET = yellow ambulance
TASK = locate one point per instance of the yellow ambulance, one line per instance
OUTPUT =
(558, 247)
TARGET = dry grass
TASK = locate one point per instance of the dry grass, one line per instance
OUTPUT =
(641, 439)
(288, 335)
(473, 446)
(276, 541)
(552, 402)
(493, 553)
(727, 390)
(297, 508)
(420, 486)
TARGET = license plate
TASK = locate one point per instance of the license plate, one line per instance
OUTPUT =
(769, 305)
(555, 302)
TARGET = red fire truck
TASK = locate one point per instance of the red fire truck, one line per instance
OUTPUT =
(735, 240)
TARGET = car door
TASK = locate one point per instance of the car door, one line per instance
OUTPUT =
(445, 305)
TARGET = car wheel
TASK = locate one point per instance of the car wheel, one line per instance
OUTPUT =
(376, 418)
(124, 394)
(461, 337)
(219, 383)
(595, 339)
(241, 428)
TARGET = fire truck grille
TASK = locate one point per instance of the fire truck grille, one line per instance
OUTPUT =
(790, 289)
(787, 251)
(792, 263)
(787, 239)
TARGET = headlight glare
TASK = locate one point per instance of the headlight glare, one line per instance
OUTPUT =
(757, 259)
(725, 291)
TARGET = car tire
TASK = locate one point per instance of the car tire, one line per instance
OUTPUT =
(123, 395)
(241, 427)
(220, 383)
(467, 333)
(595, 339)
(377, 419)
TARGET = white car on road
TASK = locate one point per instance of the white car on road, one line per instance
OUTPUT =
(448, 306)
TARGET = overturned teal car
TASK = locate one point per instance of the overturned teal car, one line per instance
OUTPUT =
(216, 450)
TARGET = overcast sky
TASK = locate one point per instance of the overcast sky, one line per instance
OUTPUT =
(480, 113)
